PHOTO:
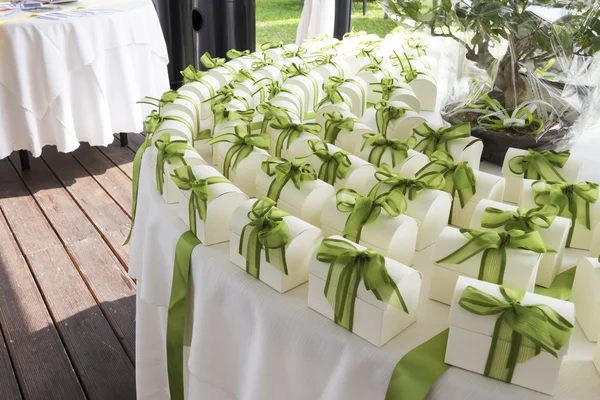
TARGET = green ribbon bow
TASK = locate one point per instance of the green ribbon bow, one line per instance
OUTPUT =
(522, 219)
(387, 87)
(521, 331)
(338, 81)
(460, 177)
(266, 230)
(354, 33)
(191, 74)
(274, 87)
(169, 97)
(365, 210)
(375, 66)
(407, 71)
(233, 54)
(285, 171)
(386, 112)
(243, 143)
(262, 62)
(291, 131)
(494, 245)
(335, 122)
(225, 95)
(222, 114)
(171, 152)
(334, 165)
(332, 94)
(211, 63)
(573, 200)
(300, 53)
(153, 121)
(421, 51)
(272, 45)
(303, 70)
(185, 179)
(269, 113)
(348, 266)
(386, 175)
(322, 59)
(380, 144)
(540, 165)
(244, 75)
(432, 140)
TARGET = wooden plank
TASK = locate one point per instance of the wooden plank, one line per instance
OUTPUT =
(40, 361)
(102, 365)
(8, 382)
(122, 157)
(113, 180)
(99, 267)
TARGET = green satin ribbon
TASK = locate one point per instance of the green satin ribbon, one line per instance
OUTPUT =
(421, 51)
(354, 33)
(274, 88)
(303, 70)
(177, 312)
(190, 74)
(266, 230)
(365, 210)
(561, 286)
(331, 94)
(387, 112)
(334, 165)
(407, 71)
(335, 122)
(348, 266)
(154, 120)
(460, 177)
(169, 97)
(521, 331)
(375, 66)
(242, 145)
(494, 245)
(185, 179)
(338, 81)
(322, 59)
(225, 95)
(211, 63)
(272, 45)
(290, 131)
(233, 54)
(522, 219)
(380, 144)
(171, 152)
(244, 75)
(222, 114)
(269, 113)
(573, 200)
(265, 61)
(386, 175)
(387, 87)
(437, 139)
(300, 53)
(285, 171)
(540, 165)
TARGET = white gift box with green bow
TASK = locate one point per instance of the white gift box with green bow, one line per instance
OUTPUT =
(309, 87)
(222, 198)
(305, 202)
(517, 165)
(586, 296)
(354, 90)
(488, 186)
(300, 241)
(269, 71)
(203, 91)
(342, 129)
(554, 232)
(429, 207)
(595, 247)
(472, 344)
(393, 89)
(418, 75)
(393, 236)
(396, 124)
(580, 196)
(519, 270)
(176, 123)
(283, 135)
(372, 319)
(336, 67)
(379, 150)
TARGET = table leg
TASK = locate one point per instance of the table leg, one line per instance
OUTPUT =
(24, 157)
(124, 139)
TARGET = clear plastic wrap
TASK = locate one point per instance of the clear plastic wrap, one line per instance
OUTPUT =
(526, 77)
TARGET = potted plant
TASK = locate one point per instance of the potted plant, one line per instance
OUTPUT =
(520, 83)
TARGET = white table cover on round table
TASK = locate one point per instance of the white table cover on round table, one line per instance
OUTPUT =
(247, 341)
(77, 79)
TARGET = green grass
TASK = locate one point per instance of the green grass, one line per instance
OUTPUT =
(277, 20)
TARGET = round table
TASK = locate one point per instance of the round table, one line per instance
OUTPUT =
(75, 75)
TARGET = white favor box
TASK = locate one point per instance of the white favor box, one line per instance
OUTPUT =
(403, 94)
(251, 89)
(355, 90)
(467, 149)
(488, 186)
(360, 170)
(431, 210)
(470, 339)
(328, 107)
(555, 238)
(244, 175)
(371, 79)
(374, 320)
(306, 203)
(394, 237)
(570, 172)
(346, 140)
(175, 127)
(170, 192)
(425, 87)
(520, 271)
(327, 70)
(418, 160)
(582, 237)
(203, 94)
(595, 246)
(597, 357)
(400, 128)
(205, 150)
(305, 239)
(298, 148)
(306, 85)
(586, 296)
(223, 199)
(222, 74)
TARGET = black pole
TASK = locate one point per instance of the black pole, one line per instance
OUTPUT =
(343, 14)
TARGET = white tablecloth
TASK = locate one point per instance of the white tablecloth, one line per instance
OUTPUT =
(247, 341)
(77, 79)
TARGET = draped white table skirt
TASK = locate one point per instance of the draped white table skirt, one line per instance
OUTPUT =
(247, 341)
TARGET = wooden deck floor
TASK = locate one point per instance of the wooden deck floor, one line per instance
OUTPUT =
(67, 305)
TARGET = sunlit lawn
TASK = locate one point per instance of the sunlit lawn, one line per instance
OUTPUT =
(277, 20)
